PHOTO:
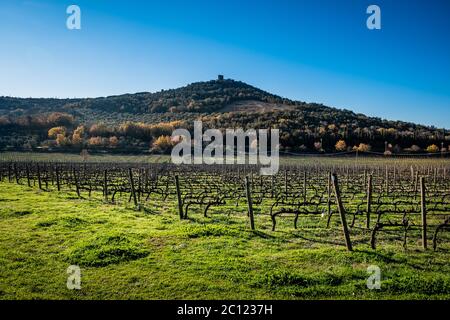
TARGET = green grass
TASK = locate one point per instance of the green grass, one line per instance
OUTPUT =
(151, 254)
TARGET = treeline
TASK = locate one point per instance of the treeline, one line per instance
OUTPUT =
(318, 129)
(144, 121)
(302, 130)
(62, 131)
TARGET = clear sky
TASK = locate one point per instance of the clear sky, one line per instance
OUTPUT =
(311, 50)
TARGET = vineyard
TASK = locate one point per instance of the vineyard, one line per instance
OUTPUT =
(365, 204)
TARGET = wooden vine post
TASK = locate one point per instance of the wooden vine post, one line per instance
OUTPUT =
(365, 178)
(16, 173)
(105, 185)
(133, 192)
(77, 187)
(423, 212)
(28, 175)
(250, 203)
(271, 187)
(369, 200)
(285, 182)
(337, 194)
(39, 176)
(58, 181)
(328, 199)
(416, 181)
(139, 188)
(304, 186)
(387, 180)
(9, 173)
(180, 203)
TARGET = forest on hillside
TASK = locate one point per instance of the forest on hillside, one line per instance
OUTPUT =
(143, 122)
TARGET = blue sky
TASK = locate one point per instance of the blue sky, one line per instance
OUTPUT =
(315, 51)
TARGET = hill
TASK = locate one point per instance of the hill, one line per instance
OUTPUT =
(133, 122)
(206, 96)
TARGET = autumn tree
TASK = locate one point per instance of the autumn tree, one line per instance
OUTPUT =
(362, 147)
(163, 144)
(99, 130)
(433, 148)
(62, 140)
(136, 130)
(78, 136)
(38, 121)
(77, 140)
(95, 141)
(341, 145)
(54, 132)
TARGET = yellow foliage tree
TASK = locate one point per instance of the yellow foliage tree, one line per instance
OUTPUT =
(362, 147)
(54, 132)
(80, 130)
(433, 149)
(78, 136)
(341, 145)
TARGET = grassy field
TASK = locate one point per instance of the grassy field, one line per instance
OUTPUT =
(151, 254)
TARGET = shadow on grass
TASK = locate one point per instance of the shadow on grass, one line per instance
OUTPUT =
(263, 235)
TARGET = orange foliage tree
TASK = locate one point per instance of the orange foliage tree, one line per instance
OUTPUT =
(341, 145)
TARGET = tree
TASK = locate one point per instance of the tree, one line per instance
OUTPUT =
(54, 132)
(61, 140)
(4, 121)
(433, 148)
(341, 145)
(113, 141)
(95, 141)
(60, 119)
(163, 144)
(78, 136)
(77, 140)
(80, 130)
(99, 130)
(362, 147)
